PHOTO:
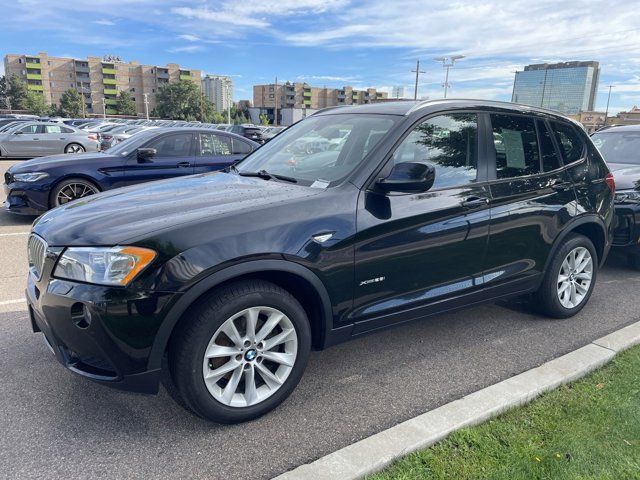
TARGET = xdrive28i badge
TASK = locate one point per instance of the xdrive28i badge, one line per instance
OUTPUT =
(371, 280)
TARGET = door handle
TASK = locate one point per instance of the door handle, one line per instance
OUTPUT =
(475, 202)
(184, 164)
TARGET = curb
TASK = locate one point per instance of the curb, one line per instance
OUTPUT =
(374, 453)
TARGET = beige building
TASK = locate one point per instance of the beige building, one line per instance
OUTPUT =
(95, 78)
(591, 121)
(302, 95)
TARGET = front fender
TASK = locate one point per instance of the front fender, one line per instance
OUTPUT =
(254, 266)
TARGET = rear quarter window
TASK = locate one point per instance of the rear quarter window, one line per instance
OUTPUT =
(570, 141)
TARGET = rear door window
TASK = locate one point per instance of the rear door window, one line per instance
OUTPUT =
(214, 145)
(550, 159)
(570, 142)
(516, 146)
(52, 129)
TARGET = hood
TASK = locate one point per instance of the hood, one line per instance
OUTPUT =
(122, 215)
(627, 176)
(54, 161)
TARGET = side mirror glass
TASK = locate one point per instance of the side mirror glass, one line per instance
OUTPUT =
(146, 153)
(408, 177)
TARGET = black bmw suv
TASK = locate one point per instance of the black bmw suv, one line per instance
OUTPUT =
(351, 221)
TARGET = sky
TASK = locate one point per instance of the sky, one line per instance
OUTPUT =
(344, 42)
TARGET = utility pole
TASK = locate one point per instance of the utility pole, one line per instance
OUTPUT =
(606, 113)
(417, 71)
(448, 62)
(104, 108)
(146, 105)
(275, 103)
(228, 97)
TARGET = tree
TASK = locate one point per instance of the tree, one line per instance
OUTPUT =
(125, 104)
(71, 103)
(3, 92)
(263, 119)
(180, 101)
(35, 104)
(16, 93)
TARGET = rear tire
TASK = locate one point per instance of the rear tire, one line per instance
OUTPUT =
(260, 369)
(74, 148)
(570, 278)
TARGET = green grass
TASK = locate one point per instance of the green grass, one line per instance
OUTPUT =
(589, 429)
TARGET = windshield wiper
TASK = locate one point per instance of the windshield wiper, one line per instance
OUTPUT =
(268, 176)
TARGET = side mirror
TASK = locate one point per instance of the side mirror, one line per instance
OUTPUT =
(146, 153)
(408, 177)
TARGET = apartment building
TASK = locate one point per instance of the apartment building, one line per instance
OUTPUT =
(218, 89)
(95, 79)
(302, 95)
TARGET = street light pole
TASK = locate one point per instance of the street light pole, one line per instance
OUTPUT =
(228, 97)
(146, 105)
(417, 71)
(606, 113)
(104, 108)
(447, 63)
(275, 103)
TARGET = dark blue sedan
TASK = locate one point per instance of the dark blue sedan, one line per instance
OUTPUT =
(34, 186)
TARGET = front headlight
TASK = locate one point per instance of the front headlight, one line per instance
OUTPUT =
(29, 177)
(103, 265)
(628, 196)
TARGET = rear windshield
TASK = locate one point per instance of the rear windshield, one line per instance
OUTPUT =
(618, 147)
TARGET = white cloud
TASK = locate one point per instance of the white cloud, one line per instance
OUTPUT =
(186, 49)
(329, 78)
(189, 37)
(107, 23)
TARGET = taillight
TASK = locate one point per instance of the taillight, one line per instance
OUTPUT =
(611, 183)
(93, 136)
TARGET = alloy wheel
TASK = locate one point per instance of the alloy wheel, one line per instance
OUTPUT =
(74, 148)
(250, 356)
(73, 191)
(574, 280)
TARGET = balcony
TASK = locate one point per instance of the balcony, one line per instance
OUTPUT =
(111, 111)
(109, 71)
(82, 69)
(110, 101)
(110, 91)
(184, 76)
(307, 94)
(109, 81)
(33, 65)
(34, 88)
(34, 76)
(162, 74)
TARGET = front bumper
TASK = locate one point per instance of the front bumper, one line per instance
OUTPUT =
(25, 199)
(627, 226)
(102, 333)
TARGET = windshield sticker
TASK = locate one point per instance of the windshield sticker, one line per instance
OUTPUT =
(320, 184)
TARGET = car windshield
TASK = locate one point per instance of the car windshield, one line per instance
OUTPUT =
(323, 149)
(618, 147)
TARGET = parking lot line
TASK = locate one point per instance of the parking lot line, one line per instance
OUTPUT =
(13, 234)
(11, 302)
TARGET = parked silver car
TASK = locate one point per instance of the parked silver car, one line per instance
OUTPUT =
(36, 139)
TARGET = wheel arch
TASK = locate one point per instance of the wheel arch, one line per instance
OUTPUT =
(301, 282)
(592, 227)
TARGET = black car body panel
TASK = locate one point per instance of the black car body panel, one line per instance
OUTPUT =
(361, 260)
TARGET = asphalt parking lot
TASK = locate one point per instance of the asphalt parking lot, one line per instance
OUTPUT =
(55, 424)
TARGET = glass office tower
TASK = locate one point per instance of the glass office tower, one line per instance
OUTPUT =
(568, 87)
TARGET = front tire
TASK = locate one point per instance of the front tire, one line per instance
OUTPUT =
(241, 353)
(570, 278)
(72, 189)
